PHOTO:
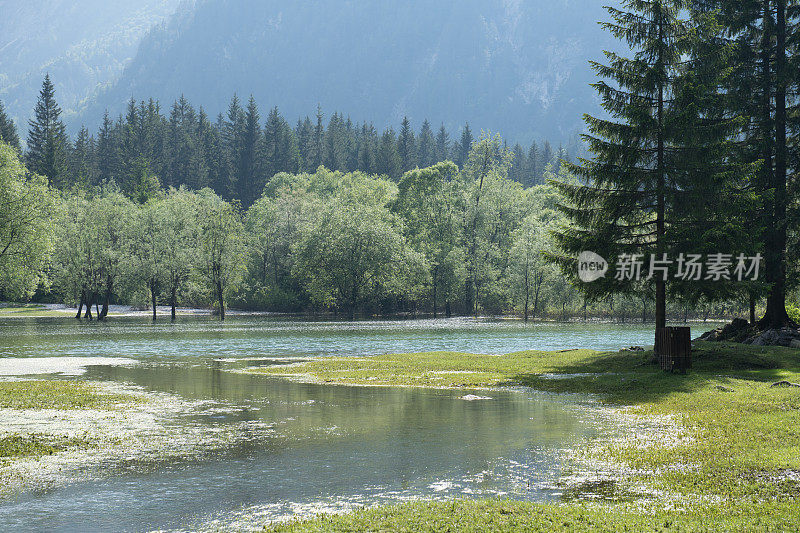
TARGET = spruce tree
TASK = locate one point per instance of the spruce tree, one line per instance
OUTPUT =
(249, 170)
(463, 147)
(442, 144)
(406, 146)
(387, 161)
(426, 149)
(107, 154)
(232, 135)
(532, 165)
(632, 182)
(8, 130)
(47, 137)
(81, 160)
(763, 89)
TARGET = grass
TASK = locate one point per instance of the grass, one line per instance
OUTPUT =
(737, 469)
(52, 394)
(16, 446)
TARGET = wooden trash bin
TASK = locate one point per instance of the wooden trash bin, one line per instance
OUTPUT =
(673, 349)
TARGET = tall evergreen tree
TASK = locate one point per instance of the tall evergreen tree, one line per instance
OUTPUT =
(426, 146)
(631, 182)
(47, 137)
(280, 146)
(442, 144)
(463, 147)
(406, 146)
(107, 155)
(387, 161)
(763, 88)
(8, 130)
(232, 135)
(249, 170)
(532, 165)
(81, 160)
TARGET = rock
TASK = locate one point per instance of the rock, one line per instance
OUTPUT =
(785, 383)
(795, 343)
(634, 349)
(724, 389)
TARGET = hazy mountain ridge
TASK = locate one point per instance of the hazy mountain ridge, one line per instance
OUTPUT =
(84, 45)
(520, 68)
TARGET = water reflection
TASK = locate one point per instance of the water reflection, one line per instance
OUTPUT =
(331, 444)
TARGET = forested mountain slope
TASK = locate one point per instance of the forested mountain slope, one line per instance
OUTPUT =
(520, 68)
(83, 44)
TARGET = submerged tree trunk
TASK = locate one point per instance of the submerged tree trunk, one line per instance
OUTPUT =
(80, 305)
(173, 301)
(89, 302)
(153, 293)
(220, 300)
(107, 301)
(435, 271)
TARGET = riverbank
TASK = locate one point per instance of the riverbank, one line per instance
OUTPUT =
(736, 465)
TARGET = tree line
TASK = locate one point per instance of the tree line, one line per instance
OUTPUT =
(442, 241)
(237, 153)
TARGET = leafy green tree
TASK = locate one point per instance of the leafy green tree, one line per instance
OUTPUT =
(427, 203)
(47, 138)
(488, 217)
(221, 246)
(530, 271)
(27, 212)
(354, 253)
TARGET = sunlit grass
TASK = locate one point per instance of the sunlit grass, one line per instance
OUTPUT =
(56, 394)
(15, 446)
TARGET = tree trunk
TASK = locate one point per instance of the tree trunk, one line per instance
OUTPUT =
(173, 301)
(435, 270)
(447, 312)
(80, 305)
(107, 300)
(775, 256)
(752, 310)
(661, 291)
(527, 298)
(221, 300)
(153, 292)
(89, 302)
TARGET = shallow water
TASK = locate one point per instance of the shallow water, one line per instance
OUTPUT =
(305, 448)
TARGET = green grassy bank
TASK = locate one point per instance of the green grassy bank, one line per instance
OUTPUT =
(736, 467)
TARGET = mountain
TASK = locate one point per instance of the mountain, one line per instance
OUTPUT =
(516, 67)
(83, 44)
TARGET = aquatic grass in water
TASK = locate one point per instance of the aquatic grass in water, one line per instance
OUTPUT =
(52, 394)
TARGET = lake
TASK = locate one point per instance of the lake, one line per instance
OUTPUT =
(248, 449)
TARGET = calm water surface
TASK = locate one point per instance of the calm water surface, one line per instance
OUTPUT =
(324, 447)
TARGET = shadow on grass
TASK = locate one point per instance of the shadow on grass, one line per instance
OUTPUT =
(633, 378)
